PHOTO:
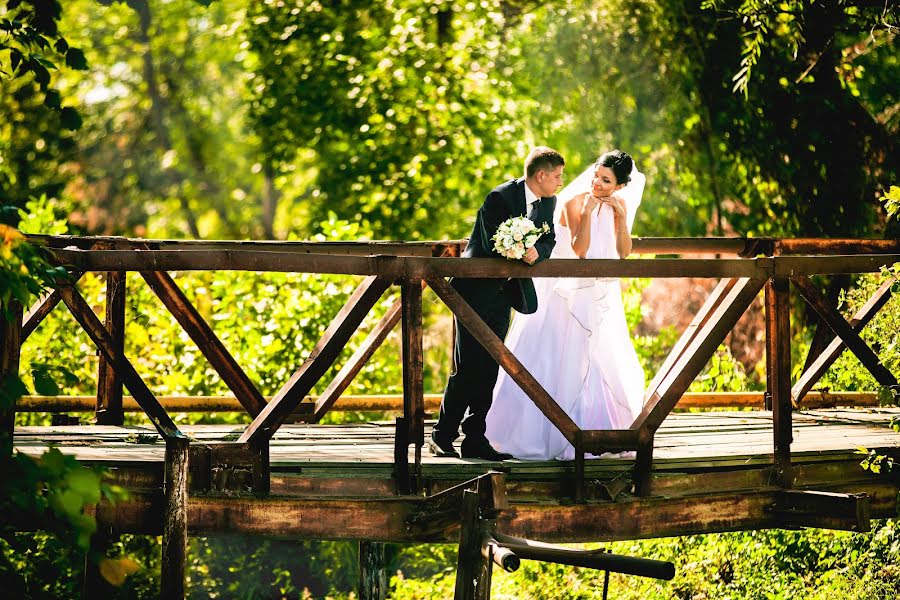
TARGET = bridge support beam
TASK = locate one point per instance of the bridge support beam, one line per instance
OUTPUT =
(10, 352)
(175, 526)
(826, 510)
(778, 373)
(373, 581)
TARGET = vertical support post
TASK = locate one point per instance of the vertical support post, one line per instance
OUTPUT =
(643, 464)
(261, 467)
(109, 386)
(93, 584)
(579, 466)
(10, 353)
(413, 370)
(372, 572)
(401, 456)
(470, 568)
(778, 373)
(175, 538)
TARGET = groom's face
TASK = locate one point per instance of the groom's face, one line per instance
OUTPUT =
(549, 181)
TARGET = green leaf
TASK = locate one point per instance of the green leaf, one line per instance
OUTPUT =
(75, 59)
(44, 385)
(52, 99)
(70, 118)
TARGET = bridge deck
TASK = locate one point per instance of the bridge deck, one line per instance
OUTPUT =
(712, 471)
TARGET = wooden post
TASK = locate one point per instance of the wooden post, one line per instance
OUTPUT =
(175, 538)
(10, 353)
(643, 464)
(109, 387)
(372, 573)
(401, 456)
(778, 373)
(93, 584)
(579, 466)
(472, 576)
(413, 370)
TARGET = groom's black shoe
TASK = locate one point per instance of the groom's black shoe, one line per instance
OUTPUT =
(442, 448)
(484, 451)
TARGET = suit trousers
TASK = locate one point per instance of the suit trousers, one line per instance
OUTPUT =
(471, 385)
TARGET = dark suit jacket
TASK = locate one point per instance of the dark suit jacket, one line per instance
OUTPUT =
(505, 201)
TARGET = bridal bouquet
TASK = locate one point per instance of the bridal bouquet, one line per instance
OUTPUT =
(515, 235)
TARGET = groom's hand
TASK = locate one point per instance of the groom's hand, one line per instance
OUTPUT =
(531, 255)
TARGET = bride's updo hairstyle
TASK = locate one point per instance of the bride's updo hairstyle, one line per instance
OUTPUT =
(619, 162)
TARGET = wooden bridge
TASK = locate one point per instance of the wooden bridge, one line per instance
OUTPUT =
(790, 461)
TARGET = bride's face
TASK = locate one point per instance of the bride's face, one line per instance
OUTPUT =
(604, 182)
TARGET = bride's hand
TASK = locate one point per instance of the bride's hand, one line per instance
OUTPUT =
(590, 203)
(617, 204)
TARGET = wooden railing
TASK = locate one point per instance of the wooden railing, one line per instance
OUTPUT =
(745, 267)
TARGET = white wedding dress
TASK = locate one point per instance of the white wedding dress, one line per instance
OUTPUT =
(576, 344)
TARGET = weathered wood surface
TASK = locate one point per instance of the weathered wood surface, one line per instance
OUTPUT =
(175, 520)
(711, 472)
(10, 356)
(843, 330)
(207, 342)
(506, 359)
(833, 350)
(320, 359)
(109, 386)
(778, 373)
(123, 367)
(641, 245)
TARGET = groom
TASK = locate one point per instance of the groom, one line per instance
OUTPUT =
(471, 386)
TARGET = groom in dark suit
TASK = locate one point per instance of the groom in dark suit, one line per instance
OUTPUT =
(471, 385)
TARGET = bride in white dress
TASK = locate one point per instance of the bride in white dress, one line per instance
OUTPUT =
(577, 344)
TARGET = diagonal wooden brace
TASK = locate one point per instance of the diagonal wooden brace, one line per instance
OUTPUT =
(831, 353)
(43, 307)
(698, 353)
(207, 341)
(122, 366)
(843, 330)
(323, 355)
(506, 359)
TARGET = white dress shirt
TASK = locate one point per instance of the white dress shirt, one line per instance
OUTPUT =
(530, 199)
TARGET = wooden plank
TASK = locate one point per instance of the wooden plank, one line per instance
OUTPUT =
(708, 245)
(827, 510)
(207, 341)
(814, 372)
(354, 365)
(712, 302)
(320, 359)
(778, 373)
(697, 354)
(468, 566)
(843, 330)
(175, 523)
(10, 355)
(506, 359)
(108, 410)
(123, 367)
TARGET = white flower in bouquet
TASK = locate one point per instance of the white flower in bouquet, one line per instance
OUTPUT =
(515, 235)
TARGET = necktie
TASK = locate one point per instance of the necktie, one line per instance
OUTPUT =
(535, 207)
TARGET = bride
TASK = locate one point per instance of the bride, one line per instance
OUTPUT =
(577, 344)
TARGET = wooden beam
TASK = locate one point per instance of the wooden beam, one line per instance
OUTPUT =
(826, 510)
(697, 354)
(506, 359)
(843, 330)
(10, 355)
(469, 559)
(355, 364)
(175, 525)
(778, 374)
(712, 303)
(207, 341)
(389, 519)
(320, 359)
(108, 410)
(123, 367)
(834, 349)
(836, 246)
(787, 266)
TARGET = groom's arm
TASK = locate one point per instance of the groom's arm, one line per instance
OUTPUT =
(546, 242)
(493, 212)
